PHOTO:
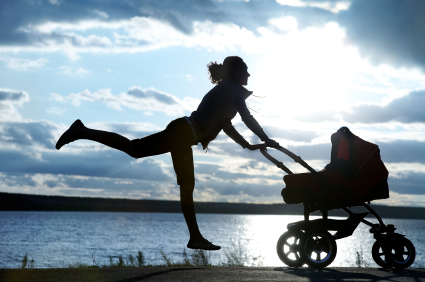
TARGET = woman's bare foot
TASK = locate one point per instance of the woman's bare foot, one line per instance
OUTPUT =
(69, 135)
(203, 244)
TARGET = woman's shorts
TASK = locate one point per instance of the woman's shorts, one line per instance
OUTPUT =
(177, 139)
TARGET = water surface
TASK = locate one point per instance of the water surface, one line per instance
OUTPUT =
(55, 239)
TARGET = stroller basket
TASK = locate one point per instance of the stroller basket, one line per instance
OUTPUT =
(355, 175)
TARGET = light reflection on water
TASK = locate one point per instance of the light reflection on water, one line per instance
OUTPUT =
(55, 239)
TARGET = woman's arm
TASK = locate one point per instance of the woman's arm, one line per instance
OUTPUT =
(231, 131)
(252, 123)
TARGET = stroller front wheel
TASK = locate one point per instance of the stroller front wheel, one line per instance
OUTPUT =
(287, 248)
(379, 255)
(318, 248)
(403, 253)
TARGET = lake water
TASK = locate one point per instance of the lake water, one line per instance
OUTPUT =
(55, 239)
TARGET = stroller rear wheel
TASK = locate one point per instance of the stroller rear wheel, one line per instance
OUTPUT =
(288, 248)
(318, 248)
(402, 251)
(378, 254)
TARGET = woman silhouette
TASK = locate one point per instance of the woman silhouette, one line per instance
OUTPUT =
(215, 112)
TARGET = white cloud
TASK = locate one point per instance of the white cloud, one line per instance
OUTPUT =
(54, 2)
(56, 110)
(285, 23)
(23, 64)
(149, 100)
(406, 200)
(333, 6)
(101, 13)
(9, 99)
(74, 71)
(189, 77)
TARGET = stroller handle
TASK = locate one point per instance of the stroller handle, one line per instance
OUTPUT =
(289, 154)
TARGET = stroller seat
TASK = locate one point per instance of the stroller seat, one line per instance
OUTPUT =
(356, 175)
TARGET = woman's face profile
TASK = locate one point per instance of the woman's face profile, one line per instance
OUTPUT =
(243, 75)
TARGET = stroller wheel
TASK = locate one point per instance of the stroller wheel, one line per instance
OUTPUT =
(403, 253)
(378, 254)
(288, 246)
(318, 248)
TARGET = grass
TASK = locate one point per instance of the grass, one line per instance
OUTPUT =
(236, 256)
(196, 258)
(27, 263)
(360, 261)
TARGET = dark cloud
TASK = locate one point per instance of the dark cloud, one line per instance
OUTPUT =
(387, 31)
(151, 93)
(111, 164)
(218, 171)
(84, 186)
(16, 21)
(230, 188)
(28, 133)
(407, 109)
(408, 151)
(408, 183)
(392, 152)
(12, 95)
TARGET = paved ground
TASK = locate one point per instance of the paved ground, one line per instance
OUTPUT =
(211, 274)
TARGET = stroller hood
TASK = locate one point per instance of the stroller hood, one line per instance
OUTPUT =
(355, 165)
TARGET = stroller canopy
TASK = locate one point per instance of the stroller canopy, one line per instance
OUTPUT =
(355, 166)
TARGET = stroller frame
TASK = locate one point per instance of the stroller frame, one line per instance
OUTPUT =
(309, 241)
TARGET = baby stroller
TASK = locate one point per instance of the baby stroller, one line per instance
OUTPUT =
(355, 176)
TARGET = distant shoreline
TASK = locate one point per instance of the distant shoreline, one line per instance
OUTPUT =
(28, 202)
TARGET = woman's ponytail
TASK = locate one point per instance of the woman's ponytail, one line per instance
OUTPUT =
(216, 72)
(230, 68)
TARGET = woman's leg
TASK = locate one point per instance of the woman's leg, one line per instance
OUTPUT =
(188, 209)
(182, 156)
(109, 139)
(78, 131)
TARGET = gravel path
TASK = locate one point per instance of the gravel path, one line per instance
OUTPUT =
(210, 274)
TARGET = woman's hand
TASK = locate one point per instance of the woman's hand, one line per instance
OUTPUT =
(256, 146)
(271, 143)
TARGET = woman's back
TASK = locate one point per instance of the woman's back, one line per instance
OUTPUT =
(218, 106)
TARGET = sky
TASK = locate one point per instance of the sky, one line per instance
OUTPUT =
(131, 67)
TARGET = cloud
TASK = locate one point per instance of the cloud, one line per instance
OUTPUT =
(110, 164)
(387, 31)
(71, 185)
(333, 6)
(54, 2)
(295, 135)
(142, 26)
(101, 14)
(9, 99)
(23, 64)
(136, 98)
(406, 109)
(9, 95)
(27, 133)
(410, 183)
(73, 71)
(131, 130)
(138, 92)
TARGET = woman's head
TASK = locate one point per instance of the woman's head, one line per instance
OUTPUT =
(233, 68)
